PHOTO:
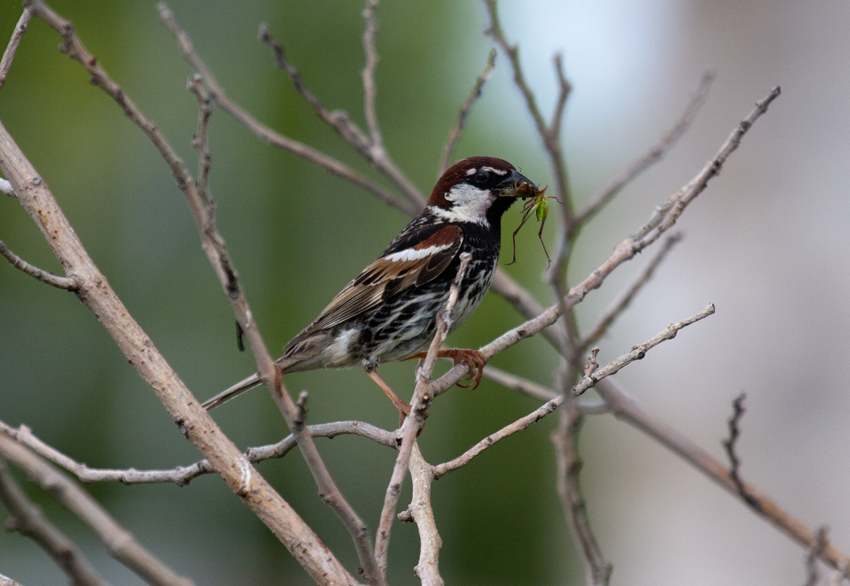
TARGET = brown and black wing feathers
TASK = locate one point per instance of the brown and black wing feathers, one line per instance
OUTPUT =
(391, 274)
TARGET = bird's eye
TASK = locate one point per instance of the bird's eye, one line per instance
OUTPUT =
(481, 177)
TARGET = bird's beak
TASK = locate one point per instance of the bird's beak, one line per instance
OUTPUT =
(517, 185)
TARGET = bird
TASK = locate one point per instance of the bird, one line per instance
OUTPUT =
(389, 311)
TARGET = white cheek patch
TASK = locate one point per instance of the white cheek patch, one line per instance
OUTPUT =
(414, 254)
(467, 203)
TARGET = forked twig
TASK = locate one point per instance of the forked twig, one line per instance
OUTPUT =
(122, 545)
(66, 283)
(654, 155)
(28, 519)
(268, 135)
(667, 214)
(590, 381)
(627, 409)
(183, 475)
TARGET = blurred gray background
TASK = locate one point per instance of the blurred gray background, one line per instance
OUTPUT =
(766, 244)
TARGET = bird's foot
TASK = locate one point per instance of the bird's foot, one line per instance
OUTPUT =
(473, 359)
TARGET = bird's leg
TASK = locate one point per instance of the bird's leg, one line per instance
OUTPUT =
(473, 359)
(403, 408)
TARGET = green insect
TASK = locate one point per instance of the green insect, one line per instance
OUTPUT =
(536, 203)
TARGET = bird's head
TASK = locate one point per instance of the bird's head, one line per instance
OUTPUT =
(478, 190)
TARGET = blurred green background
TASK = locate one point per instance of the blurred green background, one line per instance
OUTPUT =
(766, 244)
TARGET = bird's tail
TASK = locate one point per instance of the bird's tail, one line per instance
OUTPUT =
(234, 391)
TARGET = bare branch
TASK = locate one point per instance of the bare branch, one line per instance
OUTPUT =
(621, 304)
(14, 43)
(517, 383)
(199, 141)
(637, 353)
(28, 519)
(465, 108)
(268, 135)
(66, 283)
(731, 443)
(412, 426)
(214, 246)
(183, 475)
(193, 420)
(666, 215)
(655, 154)
(526, 305)
(550, 134)
(345, 127)
(422, 513)
(565, 439)
(121, 544)
(628, 410)
(369, 88)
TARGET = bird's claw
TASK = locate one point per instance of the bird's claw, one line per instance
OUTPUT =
(474, 361)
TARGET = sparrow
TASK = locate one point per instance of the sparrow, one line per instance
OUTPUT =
(389, 311)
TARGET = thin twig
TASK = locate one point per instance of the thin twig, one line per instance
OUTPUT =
(28, 519)
(538, 391)
(526, 305)
(182, 475)
(121, 544)
(345, 127)
(731, 443)
(14, 43)
(623, 302)
(655, 154)
(628, 410)
(667, 214)
(412, 426)
(517, 383)
(565, 440)
(369, 88)
(268, 135)
(465, 108)
(588, 382)
(65, 283)
(549, 133)
(199, 141)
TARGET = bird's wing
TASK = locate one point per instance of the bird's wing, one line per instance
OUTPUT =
(392, 273)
